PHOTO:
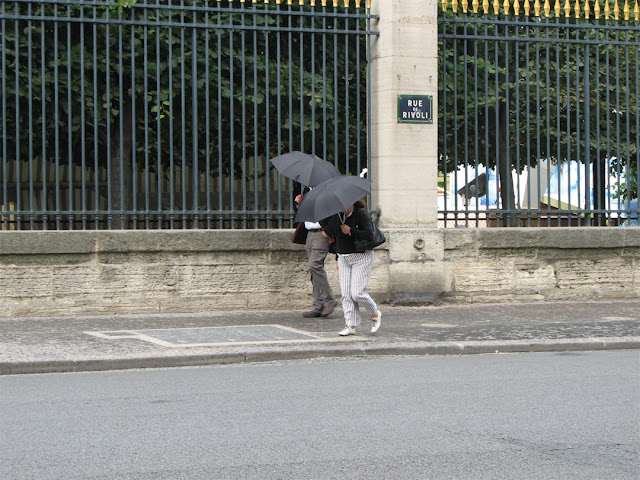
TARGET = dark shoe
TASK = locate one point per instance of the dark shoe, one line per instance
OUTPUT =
(326, 311)
(311, 314)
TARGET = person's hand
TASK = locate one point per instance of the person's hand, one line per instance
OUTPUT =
(346, 229)
(298, 198)
(325, 234)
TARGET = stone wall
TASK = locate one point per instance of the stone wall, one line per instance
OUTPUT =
(63, 273)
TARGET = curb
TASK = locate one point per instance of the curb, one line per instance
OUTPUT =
(435, 348)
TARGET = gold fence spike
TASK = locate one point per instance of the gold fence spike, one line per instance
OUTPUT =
(536, 8)
(346, 3)
(527, 8)
(516, 7)
(358, 3)
(506, 7)
(368, 3)
(454, 6)
(626, 10)
(616, 11)
(557, 8)
(596, 10)
(476, 6)
(465, 6)
(567, 9)
(636, 11)
(496, 7)
(607, 10)
(335, 3)
(587, 9)
(576, 7)
(444, 4)
(485, 6)
(547, 8)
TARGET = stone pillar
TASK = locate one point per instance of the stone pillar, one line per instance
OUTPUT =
(404, 156)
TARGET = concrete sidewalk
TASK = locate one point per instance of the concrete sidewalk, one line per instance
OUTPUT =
(37, 345)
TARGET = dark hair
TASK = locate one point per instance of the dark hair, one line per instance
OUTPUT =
(362, 203)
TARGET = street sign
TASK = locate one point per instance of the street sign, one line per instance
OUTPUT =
(415, 108)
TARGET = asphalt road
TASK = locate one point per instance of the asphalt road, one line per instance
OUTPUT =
(505, 416)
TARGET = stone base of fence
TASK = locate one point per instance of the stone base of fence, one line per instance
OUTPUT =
(115, 272)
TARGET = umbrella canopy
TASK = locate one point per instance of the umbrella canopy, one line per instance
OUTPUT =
(309, 170)
(332, 196)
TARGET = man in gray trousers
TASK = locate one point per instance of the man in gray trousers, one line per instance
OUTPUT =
(317, 245)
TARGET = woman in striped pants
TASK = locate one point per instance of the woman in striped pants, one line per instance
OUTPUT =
(354, 265)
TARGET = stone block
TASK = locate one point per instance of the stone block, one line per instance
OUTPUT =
(47, 242)
(415, 245)
(534, 276)
(594, 274)
(25, 282)
(483, 276)
(416, 282)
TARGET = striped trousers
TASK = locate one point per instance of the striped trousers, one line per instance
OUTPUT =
(354, 271)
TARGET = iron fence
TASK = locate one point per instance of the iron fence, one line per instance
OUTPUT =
(165, 113)
(539, 113)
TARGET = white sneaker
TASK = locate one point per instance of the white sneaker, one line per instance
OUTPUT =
(347, 331)
(377, 320)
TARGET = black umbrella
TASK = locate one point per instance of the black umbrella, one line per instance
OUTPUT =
(309, 170)
(332, 196)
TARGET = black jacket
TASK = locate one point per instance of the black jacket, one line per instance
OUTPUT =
(361, 228)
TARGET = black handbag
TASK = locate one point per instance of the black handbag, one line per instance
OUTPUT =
(378, 239)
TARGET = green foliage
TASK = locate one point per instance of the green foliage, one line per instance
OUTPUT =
(230, 93)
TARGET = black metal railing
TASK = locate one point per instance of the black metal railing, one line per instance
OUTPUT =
(539, 113)
(165, 113)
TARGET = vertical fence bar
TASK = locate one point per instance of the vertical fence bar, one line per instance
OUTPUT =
(301, 80)
(336, 147)
(18, 160)
(83, 131)
(31, 114)
(194, 114)
(219, 131)
(243, 88)
(132, 181)
(256, 185)
(96, 159)
(267, 110)
(207, 116)
(70, 206)
(279, 107)
(347, 167)
(313, 85)
(146, 102)
(324, 85)
(231, 126)
(172, 96)
(160, 106)
(43, 90)
(588, 190)
(5, 184)
(358, 130)
(637, 99)
(56, 112)
(183, 120)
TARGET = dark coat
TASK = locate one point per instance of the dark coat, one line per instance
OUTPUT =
(361, 228)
